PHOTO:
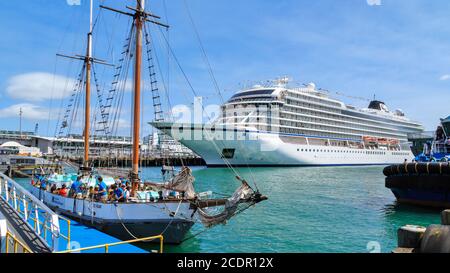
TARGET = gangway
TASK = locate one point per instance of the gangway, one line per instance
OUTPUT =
(27, 225)
(10, 242)
(29, 221)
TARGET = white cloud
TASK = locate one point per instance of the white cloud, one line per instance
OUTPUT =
(73, 2)
(128, 85)
(123, 124)
(29, 111)
(38, 86)
(445, 77)
(182, 114)
(374, 2)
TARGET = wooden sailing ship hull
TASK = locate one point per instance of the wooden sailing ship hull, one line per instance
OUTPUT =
(126, 221)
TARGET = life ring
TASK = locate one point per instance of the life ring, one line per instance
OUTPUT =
(444, 159)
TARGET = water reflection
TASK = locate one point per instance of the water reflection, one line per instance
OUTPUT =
(332, 209)
(191, 245)
(396, 215)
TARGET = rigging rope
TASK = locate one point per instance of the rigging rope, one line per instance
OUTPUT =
(205, 56)
(227, 163)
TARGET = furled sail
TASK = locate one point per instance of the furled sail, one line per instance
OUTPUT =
(244, 194)
(184, 182)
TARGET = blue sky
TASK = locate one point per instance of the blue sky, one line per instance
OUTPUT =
(398, 51)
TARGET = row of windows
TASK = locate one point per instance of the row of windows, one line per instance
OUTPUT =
(400, 153)
(318, 100)
(312, 106)
(341, 122)
(336, 114)
(350, 152)
(336, 129)
(361, 115)
(322, 134)
(327, 107)
(264, 120)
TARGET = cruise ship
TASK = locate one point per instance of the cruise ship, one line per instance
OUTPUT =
(278, 125)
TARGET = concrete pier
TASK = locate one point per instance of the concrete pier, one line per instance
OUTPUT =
(433, 239)
(26, 220)
(19, 229)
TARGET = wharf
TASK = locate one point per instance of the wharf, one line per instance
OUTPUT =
(28, 225)
(145, 162)
(21, 230)
(431, 239)
(83, 236)
(25, 171)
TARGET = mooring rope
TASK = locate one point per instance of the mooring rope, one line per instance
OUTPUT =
(131, 234)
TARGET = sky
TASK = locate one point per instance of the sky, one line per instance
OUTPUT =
(397, 51)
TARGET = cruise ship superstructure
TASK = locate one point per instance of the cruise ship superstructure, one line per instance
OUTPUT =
(276, 125)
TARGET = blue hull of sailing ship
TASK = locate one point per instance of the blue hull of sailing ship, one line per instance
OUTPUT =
(425, 182)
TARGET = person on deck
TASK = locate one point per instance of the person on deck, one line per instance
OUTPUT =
(96, 196)
(119, 194)
(54, 189)
(102, 190)
(44, 184)
(76, 187)
(91, 193)
(63, 191)
(126, 192)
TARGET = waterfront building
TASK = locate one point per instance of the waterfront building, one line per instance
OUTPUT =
(24, 138)
(161, 145)
(19, 149)
(72, 146)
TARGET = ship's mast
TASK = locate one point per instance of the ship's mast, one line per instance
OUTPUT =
(140, 17)
(88, 60)
(138, 21)
(87, 114)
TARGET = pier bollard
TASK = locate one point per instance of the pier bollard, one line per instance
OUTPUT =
(410, 236)
(436, 240)
(445, 217)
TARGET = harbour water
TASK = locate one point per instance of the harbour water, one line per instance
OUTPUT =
(327, 209)
(330, 209)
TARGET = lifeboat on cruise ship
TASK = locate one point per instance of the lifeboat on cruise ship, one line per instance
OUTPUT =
(383, 141)
(368, 140)
(394, 142)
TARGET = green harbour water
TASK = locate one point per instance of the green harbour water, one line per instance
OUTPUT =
(310, 210)
(322, 209)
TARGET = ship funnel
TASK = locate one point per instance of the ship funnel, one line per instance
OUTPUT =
(378, 105)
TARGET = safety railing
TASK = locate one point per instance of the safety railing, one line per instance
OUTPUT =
(106, 247)
(34, 212)
(42, 225)
(17, 245)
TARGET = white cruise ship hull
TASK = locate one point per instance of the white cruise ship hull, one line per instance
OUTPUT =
(253, 148)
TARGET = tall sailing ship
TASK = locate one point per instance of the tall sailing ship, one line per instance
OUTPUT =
(170, 207)
(279, 125)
